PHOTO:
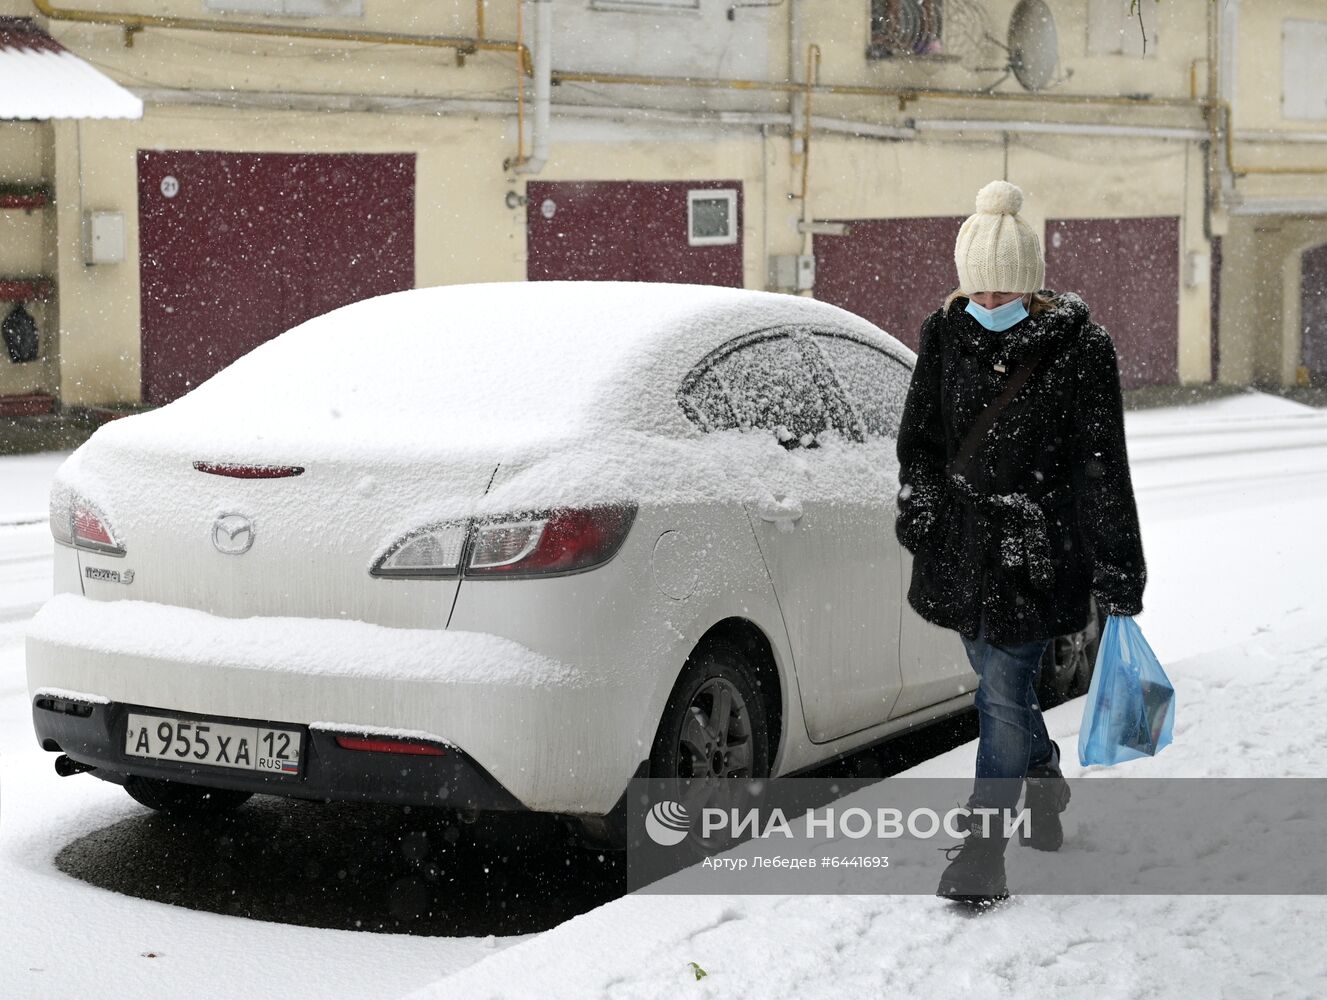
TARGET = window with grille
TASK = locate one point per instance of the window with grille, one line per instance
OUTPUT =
(906, 28)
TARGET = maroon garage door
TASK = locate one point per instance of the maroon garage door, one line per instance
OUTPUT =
(1128, 271)
(625, 231)
(238, 247)
(894, 272)
(1313, 313)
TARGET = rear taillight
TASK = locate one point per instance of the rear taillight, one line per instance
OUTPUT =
(545, 544)
(378, 744)
(92, 532)
(434, 551)
(564, 541)
(75, 521)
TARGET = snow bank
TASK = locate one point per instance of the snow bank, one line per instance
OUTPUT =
(25, 482)
(1237, 713)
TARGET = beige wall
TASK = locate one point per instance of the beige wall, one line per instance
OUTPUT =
(1260, 295)
(842, 28)
(1257, 98)
(1257, 106)
(465, 232)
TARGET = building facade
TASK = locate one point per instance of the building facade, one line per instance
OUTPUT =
(295, 155)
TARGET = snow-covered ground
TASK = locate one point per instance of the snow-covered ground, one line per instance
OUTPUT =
(1233, 496)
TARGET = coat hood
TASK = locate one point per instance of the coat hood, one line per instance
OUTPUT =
(1067, 316)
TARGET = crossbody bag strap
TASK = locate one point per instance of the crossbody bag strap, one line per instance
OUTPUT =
(987, 418)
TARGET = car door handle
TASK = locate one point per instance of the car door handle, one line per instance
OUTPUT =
(780, 510)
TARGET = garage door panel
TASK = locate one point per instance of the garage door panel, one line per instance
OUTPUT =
(579, 232)
(623, 231)
(893, 272)
(236, 248)
(663, 250)
(1128, 272)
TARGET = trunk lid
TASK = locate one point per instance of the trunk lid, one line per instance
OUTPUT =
(298, 545)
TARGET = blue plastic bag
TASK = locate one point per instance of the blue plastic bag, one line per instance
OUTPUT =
(1130, 710)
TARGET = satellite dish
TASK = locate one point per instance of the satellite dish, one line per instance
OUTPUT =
(1034, 44)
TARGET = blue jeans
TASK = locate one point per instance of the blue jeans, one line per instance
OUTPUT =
(1013, 732)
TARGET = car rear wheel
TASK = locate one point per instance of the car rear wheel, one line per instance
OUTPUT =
(1067, 666)
(714, 728)
(178, 799)
(714, 725)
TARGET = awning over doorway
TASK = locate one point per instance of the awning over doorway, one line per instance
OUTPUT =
(41, 79)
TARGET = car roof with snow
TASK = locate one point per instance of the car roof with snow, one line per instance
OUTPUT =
(475, 366)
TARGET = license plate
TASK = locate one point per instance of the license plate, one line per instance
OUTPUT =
(216, 744)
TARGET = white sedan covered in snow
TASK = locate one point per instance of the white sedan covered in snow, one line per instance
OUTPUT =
(496, 547)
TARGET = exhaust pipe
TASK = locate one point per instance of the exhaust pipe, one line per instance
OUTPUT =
(66, 766)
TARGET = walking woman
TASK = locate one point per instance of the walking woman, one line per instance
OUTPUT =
(1015, 500)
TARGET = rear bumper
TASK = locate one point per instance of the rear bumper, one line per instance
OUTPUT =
(528, 731)
(94, 734)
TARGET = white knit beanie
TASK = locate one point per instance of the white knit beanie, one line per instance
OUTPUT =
(996, 251)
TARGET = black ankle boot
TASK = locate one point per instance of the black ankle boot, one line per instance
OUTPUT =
(1046, 795)
(975, 876)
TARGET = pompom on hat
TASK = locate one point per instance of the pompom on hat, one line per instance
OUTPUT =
(997, 251)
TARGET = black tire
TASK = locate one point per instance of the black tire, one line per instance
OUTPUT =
(739, 745)
(714, 727)
(1067, 666)
(716, 661)
(175, 798)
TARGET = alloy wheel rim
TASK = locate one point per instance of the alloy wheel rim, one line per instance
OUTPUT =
(716, 738)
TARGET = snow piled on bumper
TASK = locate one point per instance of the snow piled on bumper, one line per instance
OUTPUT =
(292, 645)
(550, 734)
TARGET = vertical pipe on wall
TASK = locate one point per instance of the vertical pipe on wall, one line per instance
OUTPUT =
(794, 105)
(520, 93)
(812, 78)
(543, 86)
(1222, 80)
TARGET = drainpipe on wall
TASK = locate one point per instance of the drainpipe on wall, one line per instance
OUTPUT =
(796, 125)
(812, 76)
(1222, 83)
(543, 85)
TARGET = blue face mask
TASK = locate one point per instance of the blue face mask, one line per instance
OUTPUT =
(1000, 318)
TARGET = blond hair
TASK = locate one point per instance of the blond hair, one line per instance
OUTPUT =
(1038, 305)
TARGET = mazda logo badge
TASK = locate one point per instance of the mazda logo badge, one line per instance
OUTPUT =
(232, 535)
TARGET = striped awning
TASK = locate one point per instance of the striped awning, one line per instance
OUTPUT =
(40, 79)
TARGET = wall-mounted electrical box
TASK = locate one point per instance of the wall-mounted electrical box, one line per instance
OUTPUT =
(1197, 269)
(103, 237)
(793, 272)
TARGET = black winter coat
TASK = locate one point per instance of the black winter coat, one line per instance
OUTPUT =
(1044, 515)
